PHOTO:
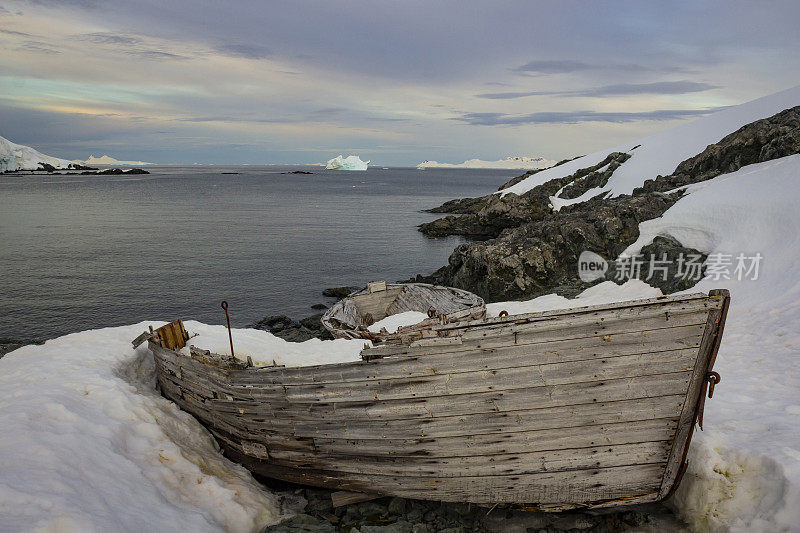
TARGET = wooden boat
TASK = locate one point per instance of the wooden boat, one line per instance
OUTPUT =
(350, 317)
(577, 408)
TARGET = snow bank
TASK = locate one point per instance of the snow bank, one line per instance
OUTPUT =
(510, 162)
(744, 470)
(18, 157)
(393, 322)
(351, 162)
(88, 444)
(662, 152)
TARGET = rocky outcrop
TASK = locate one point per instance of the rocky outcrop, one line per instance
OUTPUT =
(488, 216)
(759, 141)
(291, 330)
(527, 250)
(535, 257)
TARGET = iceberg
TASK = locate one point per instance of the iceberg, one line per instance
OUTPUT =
(15, 157)
(351, 162)
(108, 160)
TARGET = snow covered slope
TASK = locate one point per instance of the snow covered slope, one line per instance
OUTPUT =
(18, 157)
(510, 162)
(351, 162)
(660, 153)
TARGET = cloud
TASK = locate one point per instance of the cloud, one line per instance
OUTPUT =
(621, 89)
(17, 33)
(39, 47)
(554, 66)
(131, 45)
(109, 38)
(575, 117)
(568, 66)
(247, 51)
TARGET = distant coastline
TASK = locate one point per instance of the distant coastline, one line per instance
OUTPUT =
(510, 162)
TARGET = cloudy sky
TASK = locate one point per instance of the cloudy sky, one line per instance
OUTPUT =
(174, 81)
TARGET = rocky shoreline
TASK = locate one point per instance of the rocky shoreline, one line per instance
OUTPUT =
(401, 515)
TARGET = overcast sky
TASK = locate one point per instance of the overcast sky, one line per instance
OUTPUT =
(173, 81)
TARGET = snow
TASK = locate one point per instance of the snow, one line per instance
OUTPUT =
(393, 322)
(510, 162)
(351, 162)
(264, 348)
(88, 444)
(108, 160)
(662, 152)
(18, 157)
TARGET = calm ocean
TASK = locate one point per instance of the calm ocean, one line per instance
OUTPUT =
(83, 252)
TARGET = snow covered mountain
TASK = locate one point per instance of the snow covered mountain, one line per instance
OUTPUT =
(510, 162)
(108, 160)
(18, 157)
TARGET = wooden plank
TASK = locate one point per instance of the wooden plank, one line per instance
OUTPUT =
(474, 424)
(427, 360)
(561, 489)
(661, 301)
(459, 383)
(485, 402)
(510, 442)
(557, 328)
(480, 464)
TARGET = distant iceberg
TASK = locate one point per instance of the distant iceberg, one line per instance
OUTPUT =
(511, 162)
(351, 162)
(108, 160)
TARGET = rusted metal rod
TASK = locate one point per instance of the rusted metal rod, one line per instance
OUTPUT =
(224, 305)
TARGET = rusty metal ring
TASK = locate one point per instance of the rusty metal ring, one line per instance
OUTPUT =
(431, 312)
(503, 313)
(713, 378)
(224, 305)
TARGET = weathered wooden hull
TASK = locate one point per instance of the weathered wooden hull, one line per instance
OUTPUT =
(586, 407)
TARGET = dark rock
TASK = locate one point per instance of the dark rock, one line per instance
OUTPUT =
(77, 166)
(514, 181)
(683, 266)
(301, 523)
(338, 292)
(8, 344)
(46, 167)
(293, 331)
(319, 306)
(297, 172)
(136, 171)
(487, 217)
